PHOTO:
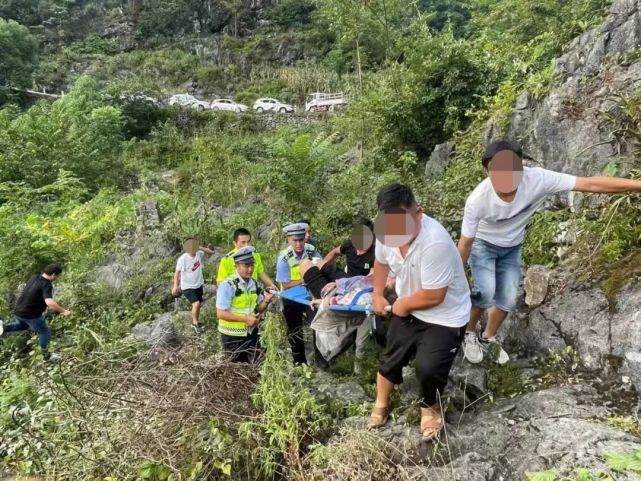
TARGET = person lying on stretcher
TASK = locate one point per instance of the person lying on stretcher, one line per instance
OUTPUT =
(322, 277)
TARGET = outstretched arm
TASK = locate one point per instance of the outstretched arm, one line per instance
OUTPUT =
(333, 254)
(610, 185)
(207, 250)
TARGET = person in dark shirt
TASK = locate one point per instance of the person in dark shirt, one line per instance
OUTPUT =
(30, 308)
(359, 256)
(358, 249)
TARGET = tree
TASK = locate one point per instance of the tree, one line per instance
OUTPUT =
(18, 54)
(22, 11)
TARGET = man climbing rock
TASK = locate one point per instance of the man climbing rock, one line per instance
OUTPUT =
(288, 275)
(189, 279)
(242, 238)
(30, 308)
(432, 309)
(239, 302)
(496, 215)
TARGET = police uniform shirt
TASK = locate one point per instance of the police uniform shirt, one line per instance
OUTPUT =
(226, 293)
(283, 273)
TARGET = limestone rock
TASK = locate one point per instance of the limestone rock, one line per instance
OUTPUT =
(329, 390)
(535, 284)
(113, 275)
(439, 159)
(160, 334)
(148, 215)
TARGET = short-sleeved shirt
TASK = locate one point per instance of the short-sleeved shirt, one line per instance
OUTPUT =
(357, 264)
(31, 303)
(191, 270)
(226, 292)
(501, 223)
(283, 273)
(432, 262)
(227, 267)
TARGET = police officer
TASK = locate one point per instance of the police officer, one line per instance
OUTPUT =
(242, 238)
(288, 275)
(239, 303)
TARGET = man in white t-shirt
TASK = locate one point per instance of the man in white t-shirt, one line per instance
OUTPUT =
(431, 312)
(496, 215)
(188, 278)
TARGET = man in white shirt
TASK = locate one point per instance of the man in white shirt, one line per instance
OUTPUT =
(188, 278)
(431, 312)
(496, 215)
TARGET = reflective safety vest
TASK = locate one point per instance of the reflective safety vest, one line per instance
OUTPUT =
(243, 304)
(293, 260)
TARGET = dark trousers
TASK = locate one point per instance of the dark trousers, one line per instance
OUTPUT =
(39, 325)
(242, 349)
(434, 346)
(294, 314)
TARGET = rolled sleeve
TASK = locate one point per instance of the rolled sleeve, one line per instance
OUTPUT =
(470, 221)
(282, 271)
(380, 253)
(437, 269)
(224, 296)
(558, 182)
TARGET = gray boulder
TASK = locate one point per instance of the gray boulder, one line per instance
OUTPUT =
(555, 428)
(439, 159)
(329, 390)
(160, 334)
(113, 275)
(535, 284)
(148, 215)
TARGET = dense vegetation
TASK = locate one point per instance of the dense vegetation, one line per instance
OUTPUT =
(72, 170)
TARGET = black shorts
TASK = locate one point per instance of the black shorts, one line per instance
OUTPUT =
(194, 295)
(433, 346)
(316, 279)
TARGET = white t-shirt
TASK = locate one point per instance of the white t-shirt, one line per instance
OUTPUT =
(191, 270)
(432, 262)
(501, 223)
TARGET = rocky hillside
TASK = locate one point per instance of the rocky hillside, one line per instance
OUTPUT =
(111, 186)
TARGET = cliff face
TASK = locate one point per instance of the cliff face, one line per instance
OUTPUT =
(577, 128)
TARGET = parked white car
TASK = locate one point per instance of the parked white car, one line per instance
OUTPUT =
(227, 104)
(272, 105)
(187, 100)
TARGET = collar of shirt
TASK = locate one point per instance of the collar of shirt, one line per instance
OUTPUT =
(248, 285)
(416, 243)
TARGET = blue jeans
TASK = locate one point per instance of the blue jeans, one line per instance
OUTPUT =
(497, 274)
(39, 325)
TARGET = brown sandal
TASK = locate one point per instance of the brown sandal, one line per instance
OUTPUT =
(378, 418)
(431, 425)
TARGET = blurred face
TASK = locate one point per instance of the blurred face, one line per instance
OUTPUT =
(308, 234)
(245, 270)
(398, 227)
(190, 246)
(297, 244)
(243, 241)
(505, 171)
(362, 237)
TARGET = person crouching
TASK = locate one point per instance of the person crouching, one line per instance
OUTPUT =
(239, 303)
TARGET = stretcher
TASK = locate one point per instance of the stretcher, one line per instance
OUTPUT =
(301, 295)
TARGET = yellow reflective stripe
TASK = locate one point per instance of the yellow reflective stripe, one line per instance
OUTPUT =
(232, 328)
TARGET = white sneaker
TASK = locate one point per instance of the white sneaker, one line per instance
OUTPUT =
(472, 348)
(493, 346)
